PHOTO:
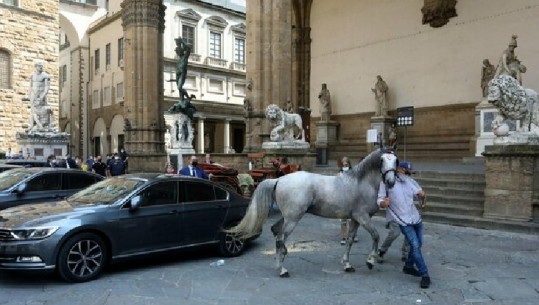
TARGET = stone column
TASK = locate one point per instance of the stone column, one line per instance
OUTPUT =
(512, 181)
(226, 136)
(200, 140)
(269, 31)
(143, 23)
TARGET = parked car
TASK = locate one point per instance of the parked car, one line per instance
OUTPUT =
(27, 163)
(39, 184)
(5, 167)
(118, 218)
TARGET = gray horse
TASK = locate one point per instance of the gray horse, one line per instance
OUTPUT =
(351, 195)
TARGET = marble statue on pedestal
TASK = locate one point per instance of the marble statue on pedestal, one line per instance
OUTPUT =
(285, 125)
(487, 73)
(41, 115)
(325, 103)
(380, 94)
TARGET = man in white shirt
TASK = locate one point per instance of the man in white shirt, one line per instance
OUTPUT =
(399, 202)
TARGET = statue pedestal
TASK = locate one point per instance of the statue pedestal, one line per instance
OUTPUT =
(326, 133)
(180, 134)
(383, 125)
(39, 145)
(512, 181)
(282, 148)
(485, 113)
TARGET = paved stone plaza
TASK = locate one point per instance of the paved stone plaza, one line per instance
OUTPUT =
(467, 266)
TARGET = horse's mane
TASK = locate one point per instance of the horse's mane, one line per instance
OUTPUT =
(369, 163)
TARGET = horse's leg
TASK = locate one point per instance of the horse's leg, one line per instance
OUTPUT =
(281, 230)
(365, 221)
(352, 231)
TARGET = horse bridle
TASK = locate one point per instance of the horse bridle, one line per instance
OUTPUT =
(388, 154)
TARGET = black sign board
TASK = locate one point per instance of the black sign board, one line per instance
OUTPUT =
(405, 116)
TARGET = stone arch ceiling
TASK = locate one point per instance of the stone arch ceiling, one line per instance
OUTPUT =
(75, 23)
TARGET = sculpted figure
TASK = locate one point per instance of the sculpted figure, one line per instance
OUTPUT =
(514, 102)
(285, 123)
(507, 59)
(325, 103)
(380, 94)
(487, 73)
(41, 117)
(289, 106)
(183, 50)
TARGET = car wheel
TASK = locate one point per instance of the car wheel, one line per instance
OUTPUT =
(82, 258)
(230, 244)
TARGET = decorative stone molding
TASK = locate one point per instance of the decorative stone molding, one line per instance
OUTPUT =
(143, 13)
(217, 22)
(239, 28)
(189, 14)
(437, 12)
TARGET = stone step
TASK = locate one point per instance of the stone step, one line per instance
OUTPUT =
(454, 209)
(457, 201)
(458, 184)
(482, 223)
(450, 191)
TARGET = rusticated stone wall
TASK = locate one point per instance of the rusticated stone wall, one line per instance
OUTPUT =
(29, 33)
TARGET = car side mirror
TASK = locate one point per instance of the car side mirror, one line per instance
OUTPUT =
(135, 203)
(21, 188)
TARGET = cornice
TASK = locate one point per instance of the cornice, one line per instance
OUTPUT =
(106, 21)
(150, 13)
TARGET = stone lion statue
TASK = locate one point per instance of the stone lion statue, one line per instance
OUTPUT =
(514, 102)
(285, 124)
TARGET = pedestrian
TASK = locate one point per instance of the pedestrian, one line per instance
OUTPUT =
(125, 157)
(399, 202)
(9, 153)
(393, 226)
(51, 161)
(344, 167)
(99, 167)
(90, 161)
(169, 169)
(193, 170)
(69, 162)
(116, 167)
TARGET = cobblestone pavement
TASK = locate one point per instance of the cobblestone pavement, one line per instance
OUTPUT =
(467, 266)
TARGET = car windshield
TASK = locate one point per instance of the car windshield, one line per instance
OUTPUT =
(11, 177)
(107, 191)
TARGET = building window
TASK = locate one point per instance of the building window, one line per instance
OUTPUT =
(119, 91)
(10, 2)
(106, 96)
(63, 74)
(5, 69)
(188, 35)
(215, 86)
(120, 51)
(107, 56)
(239, 89)
(96, 99)
(215, 44)
(96, 60)
(239, 50)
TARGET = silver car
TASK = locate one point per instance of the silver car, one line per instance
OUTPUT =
(118, 218)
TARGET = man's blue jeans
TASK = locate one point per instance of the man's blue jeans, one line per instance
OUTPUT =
(414, 233)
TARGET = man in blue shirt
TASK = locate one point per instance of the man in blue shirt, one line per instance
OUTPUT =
(399, 202)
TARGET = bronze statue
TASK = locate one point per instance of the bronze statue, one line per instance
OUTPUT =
(183, 50)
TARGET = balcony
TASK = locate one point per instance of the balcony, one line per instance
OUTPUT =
(237, 66)
(196, 58)
(216, 62)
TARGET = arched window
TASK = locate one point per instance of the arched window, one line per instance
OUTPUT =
(5, 69)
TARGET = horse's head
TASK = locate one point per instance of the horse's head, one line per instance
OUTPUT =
(388, 168)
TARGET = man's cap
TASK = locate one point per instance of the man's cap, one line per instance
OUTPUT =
(407, 166)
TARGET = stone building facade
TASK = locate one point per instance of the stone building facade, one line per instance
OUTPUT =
(28, 33)
(434, 68)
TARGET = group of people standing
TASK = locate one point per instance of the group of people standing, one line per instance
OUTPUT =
(402, 215)
(115, 164)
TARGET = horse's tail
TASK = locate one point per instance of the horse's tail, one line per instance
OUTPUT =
(257, 212)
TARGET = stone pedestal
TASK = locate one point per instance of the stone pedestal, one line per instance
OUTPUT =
(512, 181)
(179, 138)
(326, 133)
(40, 145)
(484, 135)
(383, 125)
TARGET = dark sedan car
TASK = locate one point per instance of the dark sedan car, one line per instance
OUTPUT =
(38, 184)
(118, 218)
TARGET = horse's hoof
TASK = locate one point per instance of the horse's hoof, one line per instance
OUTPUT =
(285, 274)
(369, 265)
(349, 269)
